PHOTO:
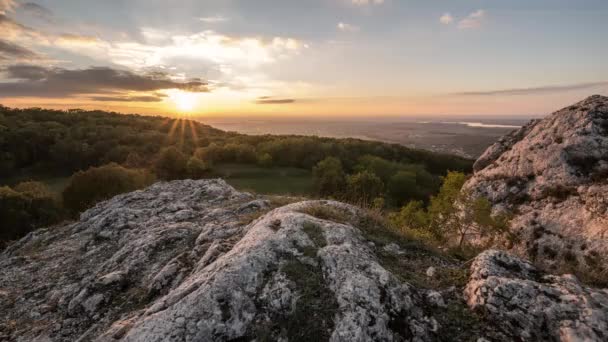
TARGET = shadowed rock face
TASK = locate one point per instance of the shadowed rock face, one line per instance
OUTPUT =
(179, 261)
(532, 306)
(553, 174)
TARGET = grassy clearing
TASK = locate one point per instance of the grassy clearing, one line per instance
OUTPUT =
(276, 180)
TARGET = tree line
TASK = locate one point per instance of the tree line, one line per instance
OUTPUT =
(107, 153)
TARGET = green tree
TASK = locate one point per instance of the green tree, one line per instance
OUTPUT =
(28, 206)
(455, 212)
(97, 184)
(265, 160)
(363, 187)
(197, 168)
(171, 164)
(329, 177)
(412, 216)
(402, 187)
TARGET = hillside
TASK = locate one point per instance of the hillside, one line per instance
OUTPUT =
(55, 164)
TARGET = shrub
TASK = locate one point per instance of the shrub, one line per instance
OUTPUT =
(97, 184)
(197, 168)
(28, 206)
(363, 187)
(328, 177)
(171, 164)
(265, 160)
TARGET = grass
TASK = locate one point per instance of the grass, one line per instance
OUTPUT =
(274, 181)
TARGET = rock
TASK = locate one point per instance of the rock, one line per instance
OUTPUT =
(179, 261)
(435, 298)
(430, 272)
(534, 306)
(393, 248)
(553, 174)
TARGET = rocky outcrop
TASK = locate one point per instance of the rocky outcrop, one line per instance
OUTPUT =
(533, 306)
(553, 175)
(189, 261)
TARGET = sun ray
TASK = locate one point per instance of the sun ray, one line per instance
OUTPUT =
(181, 133)
(193, 132)
(172, 130)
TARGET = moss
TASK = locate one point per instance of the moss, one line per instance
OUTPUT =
(458, 323)
(315, 233)
(313, 316)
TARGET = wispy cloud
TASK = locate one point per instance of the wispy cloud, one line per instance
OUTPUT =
(446, 19)
(271, 100)
(344, 27)
(15, 53)
(536, 90)
(473, 20)
(214, 19)
(367, 2)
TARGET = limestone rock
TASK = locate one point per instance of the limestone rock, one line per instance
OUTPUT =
(553, 174)
(181, 261)
(532, 306)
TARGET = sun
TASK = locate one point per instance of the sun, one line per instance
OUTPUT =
(184, 101)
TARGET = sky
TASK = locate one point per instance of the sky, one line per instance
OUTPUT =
(322, 58)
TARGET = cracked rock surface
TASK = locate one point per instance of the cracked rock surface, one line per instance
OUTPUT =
(533, 306)
(188, 261)
(553, 174)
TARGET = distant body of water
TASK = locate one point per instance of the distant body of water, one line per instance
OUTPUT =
(476, 124)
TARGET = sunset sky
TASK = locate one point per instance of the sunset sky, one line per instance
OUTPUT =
(303, 57)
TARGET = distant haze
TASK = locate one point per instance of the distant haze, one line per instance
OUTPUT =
(462, 137)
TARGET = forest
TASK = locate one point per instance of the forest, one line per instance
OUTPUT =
(55, 164)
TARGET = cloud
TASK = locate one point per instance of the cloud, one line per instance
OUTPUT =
(344, 27)
(367, 2)
(269, 100)
(474, 20)
(37, 81)
(537, 90)
(143, 98)
(14, 52)
(7, 6)
(446, 19)
(36, 10)
(214, 19)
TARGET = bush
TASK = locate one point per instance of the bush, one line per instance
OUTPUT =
(265, 160)
(328, 177)
(364, 187)
(28, 206)
(86, 188)
(197, 168)
(402, 187)
(171, 164)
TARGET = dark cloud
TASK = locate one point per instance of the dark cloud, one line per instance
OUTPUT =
(36, 10)
(10, 51)
(270, 100)
(536, 90)
(37, 81)
(143, 98)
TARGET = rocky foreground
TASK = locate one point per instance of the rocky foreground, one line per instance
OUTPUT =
(200, 261)
(552, 174)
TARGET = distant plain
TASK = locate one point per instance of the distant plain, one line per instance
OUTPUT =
(463, 136)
